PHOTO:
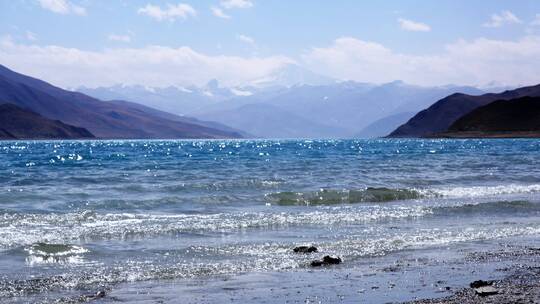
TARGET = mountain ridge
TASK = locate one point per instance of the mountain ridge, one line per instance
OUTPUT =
(337, 109)
(438, 117)
(519, 117)
(19, 123)
(103, 119)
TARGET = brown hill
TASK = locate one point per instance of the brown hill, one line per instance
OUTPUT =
(103, 119)
(17, 123)
(439, 116)
(502, 118)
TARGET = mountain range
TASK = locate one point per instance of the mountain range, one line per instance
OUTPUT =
(32, 108)
(103, 119)
(326, 108)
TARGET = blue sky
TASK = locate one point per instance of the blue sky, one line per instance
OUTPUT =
(424, 42)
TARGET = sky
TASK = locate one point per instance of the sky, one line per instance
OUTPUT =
(92, 43)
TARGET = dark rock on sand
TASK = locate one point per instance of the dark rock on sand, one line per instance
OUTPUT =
(316, 263)
(327, 260)
(305, 249)
(331, 260)
(480, 283)
(483, 288)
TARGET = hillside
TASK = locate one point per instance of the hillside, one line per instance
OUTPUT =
(502, 118)
(439, 116)
(103, 119)
(17, 123)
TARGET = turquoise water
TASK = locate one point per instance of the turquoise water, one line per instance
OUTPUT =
(76, 216)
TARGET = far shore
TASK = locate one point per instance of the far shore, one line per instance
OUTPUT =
(479, 134)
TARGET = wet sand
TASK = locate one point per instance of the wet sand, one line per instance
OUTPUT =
(437, 275)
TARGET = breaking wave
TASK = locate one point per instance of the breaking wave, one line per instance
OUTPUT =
(45, 253)
(486, 191)
(88, 225)
(382, 194)
(329, 197)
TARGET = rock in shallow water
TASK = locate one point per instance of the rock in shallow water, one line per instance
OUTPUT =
(305, 249)
(327, 260)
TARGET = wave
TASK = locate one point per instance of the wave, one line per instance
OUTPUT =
(496, 207)
(25, 229)
(46, 253)
(382, 194)
(18, 229)
(329, 197)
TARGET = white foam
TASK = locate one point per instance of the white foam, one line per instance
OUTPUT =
(484, 191)
(26, 229)
(42, 253)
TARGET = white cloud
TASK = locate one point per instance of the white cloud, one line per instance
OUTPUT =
(246, 39)
(228, 4)
(62, 7)
(153, 66)
(171, 13)
(413, 26)
(119, 38)
(465, 62)
(240, 92)
(219, 12)
(536, 21)
(476, 62)
(504, 18)
(31, 36)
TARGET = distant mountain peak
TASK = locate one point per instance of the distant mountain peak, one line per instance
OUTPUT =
(292, 75)
(396, 82)
(241, 92)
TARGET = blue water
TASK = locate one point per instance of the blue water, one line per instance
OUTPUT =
(82, 215)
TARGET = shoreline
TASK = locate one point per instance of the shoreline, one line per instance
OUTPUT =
(484, 135)
(434, 275)
(427, 276)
